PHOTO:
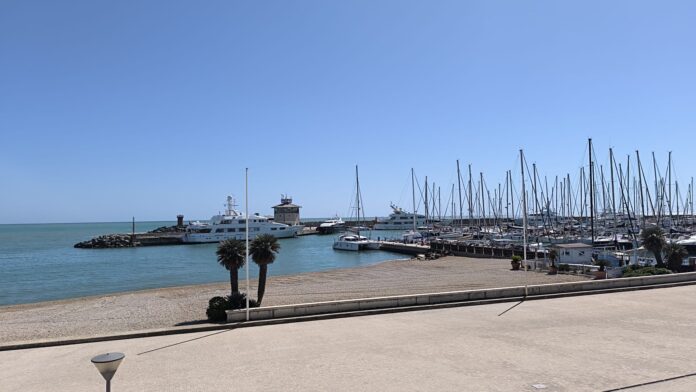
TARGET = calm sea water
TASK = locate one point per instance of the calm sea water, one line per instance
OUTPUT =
(39, 263)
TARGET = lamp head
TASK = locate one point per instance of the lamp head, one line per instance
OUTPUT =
(108, 363)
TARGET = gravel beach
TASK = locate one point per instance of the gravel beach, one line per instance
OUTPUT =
(185, 305)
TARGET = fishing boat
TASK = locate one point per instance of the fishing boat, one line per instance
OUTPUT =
(233, 224)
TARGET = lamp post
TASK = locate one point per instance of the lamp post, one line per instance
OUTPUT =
(107, 365)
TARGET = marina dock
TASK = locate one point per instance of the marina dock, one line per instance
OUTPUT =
(463, 248)
(409, 249)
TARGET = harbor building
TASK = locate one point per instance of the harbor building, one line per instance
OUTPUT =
(574, 253)
(286, 212)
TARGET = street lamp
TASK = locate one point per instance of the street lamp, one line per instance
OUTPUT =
(107, 365)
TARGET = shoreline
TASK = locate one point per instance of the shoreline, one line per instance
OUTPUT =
(186, 286)
(185, 305)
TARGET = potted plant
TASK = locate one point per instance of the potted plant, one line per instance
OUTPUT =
(601, 273)
(516, 262)
(553, 255)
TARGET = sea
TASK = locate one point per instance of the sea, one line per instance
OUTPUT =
(39, 263)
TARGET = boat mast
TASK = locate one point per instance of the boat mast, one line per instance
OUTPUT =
(640, 185)
(246, 234)
(658, 199)
(570, 198)
(555, 199)
(524, 212)
(471, 205)
(459, 182)
(483, 203)
(426, 201)
(454, 211)
(536, 198)
(357, 200)
(591, 193)
(413, 195)
(613, 200)
(507, 196)
(512, 197)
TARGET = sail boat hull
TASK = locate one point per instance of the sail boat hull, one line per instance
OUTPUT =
(355, 243)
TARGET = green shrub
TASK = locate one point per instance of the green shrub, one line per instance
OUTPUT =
(564, 267)
(218, 305)
(216, 309)
(516, 258)
(633, 271)
(238, 301)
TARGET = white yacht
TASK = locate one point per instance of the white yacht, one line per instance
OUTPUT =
(355, 242)
(399, 220)
(232, 225)
(331, 226)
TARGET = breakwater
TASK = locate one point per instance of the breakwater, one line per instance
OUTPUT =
(109, 241)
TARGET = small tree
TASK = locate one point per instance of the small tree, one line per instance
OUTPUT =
(675, 256)
(553, 256)
(231, 254)
(654, 240)
(263, 251)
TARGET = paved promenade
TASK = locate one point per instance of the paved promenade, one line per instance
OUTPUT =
(639, 341)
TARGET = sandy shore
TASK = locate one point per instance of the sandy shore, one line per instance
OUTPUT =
(185, 305)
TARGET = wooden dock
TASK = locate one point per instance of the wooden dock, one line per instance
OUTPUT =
(408, 249)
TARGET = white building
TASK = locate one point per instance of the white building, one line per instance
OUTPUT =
(574, 253)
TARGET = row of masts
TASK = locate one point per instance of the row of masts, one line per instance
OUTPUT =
(616, 194)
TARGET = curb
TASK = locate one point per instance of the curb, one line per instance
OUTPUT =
(328, 316)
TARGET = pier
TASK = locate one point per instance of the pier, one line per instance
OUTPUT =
(409, 249)
(463, 248)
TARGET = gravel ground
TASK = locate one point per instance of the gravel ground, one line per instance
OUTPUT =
(185, 305)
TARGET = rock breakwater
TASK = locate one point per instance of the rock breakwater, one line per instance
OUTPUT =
(107, 241)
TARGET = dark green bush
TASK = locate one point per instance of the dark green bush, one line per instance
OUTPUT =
(218, 305)
(564, 267)
(516, 258)
(216, 309)
(633, 271)
(238, 301)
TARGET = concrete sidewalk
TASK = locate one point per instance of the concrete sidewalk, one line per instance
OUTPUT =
(588, 343)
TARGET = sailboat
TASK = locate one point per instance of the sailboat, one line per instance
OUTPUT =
(355, 241)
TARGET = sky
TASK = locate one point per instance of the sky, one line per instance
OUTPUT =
(149, 109)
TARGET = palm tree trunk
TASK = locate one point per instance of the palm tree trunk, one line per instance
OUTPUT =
(658, 259)
(234, 281)
(263, 270)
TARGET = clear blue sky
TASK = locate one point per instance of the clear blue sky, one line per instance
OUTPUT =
(113, 109)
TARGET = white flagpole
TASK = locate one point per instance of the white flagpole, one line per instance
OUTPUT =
(246, 213)
(524, 222)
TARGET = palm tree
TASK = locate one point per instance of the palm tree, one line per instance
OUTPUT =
(231, 255)
(553, 256)
(654, 240)
(263, 251)
(675, 255)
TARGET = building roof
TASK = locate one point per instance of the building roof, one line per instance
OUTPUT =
(289, 205)
(571, 245)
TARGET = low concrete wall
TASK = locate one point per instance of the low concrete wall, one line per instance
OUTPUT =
(355, 305)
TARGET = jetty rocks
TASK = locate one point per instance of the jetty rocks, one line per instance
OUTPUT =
(168, 229)
(107, 241)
